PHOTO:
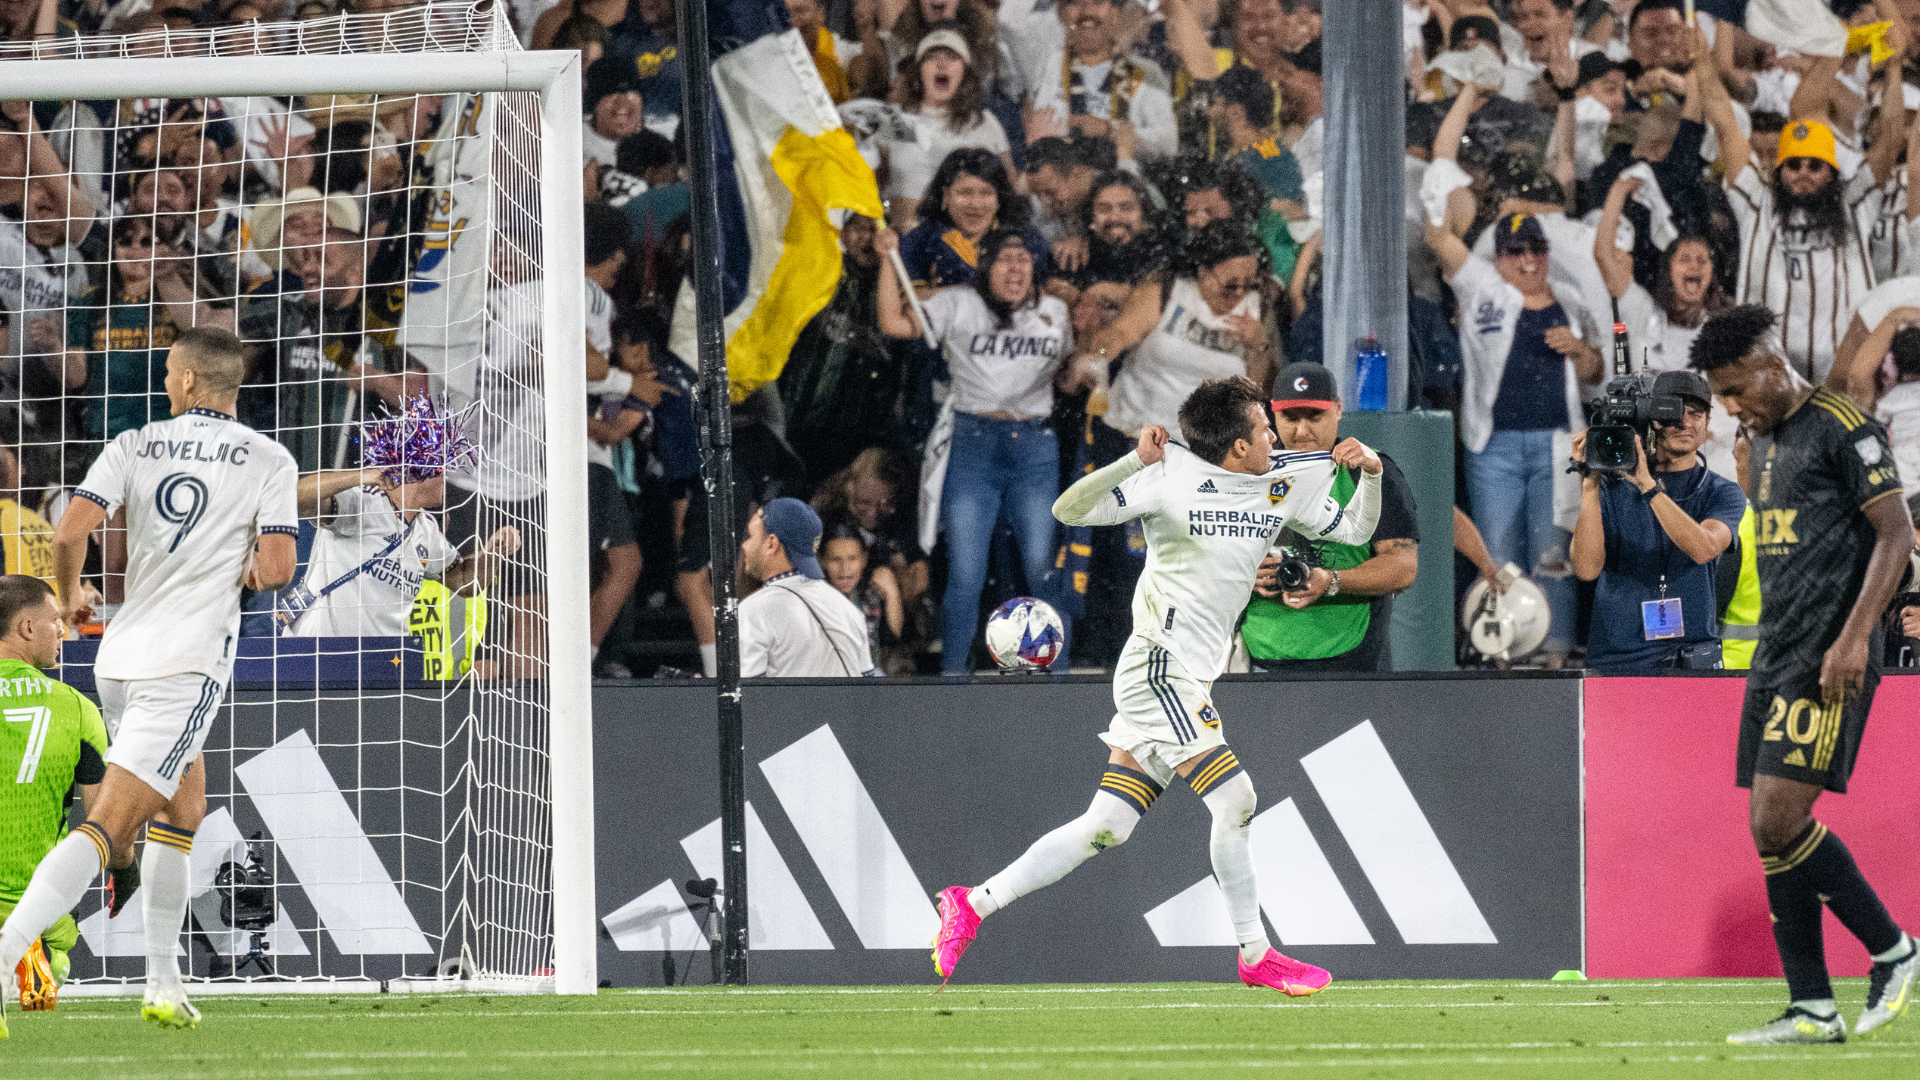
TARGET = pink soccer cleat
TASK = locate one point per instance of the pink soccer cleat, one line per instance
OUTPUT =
(1285, 974)
(958, 924)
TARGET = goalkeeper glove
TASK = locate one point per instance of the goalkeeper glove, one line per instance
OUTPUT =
(122, 883)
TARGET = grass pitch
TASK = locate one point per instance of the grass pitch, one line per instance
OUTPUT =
(1358, 1029)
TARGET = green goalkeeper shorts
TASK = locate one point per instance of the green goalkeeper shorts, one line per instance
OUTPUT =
(60, 938)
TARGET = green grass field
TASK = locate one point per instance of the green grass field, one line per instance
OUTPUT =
(1393, 1029)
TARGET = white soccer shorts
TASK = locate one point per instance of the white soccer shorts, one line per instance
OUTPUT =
(156, 727)
(1165, 717)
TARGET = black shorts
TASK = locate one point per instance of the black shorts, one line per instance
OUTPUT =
(696, 548)
(609, 524)
(472, 517)
(1785, 732)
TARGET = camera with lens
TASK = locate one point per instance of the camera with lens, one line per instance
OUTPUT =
(1297, 565)
(1634, 405)
(246, 904)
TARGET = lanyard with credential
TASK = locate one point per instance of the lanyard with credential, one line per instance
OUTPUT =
(299, 599)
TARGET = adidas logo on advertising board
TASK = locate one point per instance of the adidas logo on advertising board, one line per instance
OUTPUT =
(319, 839)
(889, 907)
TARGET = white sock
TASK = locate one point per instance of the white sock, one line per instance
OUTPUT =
(58, 883)
(710, 660)
(1232, 803)
(163, 884)
(1898, 952)
(1820, 1007)
(1107, 823)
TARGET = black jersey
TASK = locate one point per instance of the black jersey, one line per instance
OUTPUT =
(1827, 461)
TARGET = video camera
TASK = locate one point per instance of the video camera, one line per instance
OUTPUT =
(1634, 405)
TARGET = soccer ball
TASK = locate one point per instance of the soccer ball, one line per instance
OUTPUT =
(1025, 634)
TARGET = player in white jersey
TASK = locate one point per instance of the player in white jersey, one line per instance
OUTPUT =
(1211, 513)
(210, 506)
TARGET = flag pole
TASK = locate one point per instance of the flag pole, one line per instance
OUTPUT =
(697, 109)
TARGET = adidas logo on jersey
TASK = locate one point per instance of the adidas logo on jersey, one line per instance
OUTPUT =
(1206, 488)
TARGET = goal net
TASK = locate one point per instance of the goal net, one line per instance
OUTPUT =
(386, 209)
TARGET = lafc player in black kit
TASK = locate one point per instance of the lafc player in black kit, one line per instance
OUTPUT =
(1833, 536)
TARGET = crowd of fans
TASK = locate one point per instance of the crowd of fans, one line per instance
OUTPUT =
(1099, 204)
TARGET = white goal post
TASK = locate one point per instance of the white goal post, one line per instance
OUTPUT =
(566, 689)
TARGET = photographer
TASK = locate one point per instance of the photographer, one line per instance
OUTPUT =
(1338, 620)
(795, 626)
(1651, 541)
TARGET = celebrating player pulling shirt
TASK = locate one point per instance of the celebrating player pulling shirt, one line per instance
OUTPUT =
(1210, 514)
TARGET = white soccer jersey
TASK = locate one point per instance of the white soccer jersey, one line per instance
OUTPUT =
(1188, 346)
(1881, 217)
(1809, 281)
(367, 566)
(1207, 530)
(199, 490)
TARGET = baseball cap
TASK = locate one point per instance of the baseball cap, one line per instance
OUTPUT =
(1516, 233)
(1305, 385)
(1808, 138)
(608, 75)
(1686, 383)
(798, 528)
(1595, 65)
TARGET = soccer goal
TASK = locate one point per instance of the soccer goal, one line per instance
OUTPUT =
(387, 210)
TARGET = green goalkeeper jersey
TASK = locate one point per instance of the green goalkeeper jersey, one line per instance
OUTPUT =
(51, 738)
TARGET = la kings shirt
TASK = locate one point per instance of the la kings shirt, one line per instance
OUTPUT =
(368, 564)
(1207, 530)
(1001, 368)
(1812, 542)
(199, 490)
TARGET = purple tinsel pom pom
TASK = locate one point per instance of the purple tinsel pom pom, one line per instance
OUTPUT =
(424, 441)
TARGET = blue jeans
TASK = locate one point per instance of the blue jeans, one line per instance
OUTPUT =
(1011, 465)
(1511, 485)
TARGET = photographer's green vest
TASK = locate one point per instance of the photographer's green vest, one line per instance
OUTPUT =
(1330, 626)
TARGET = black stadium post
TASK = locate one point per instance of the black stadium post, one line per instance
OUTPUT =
(696, 93)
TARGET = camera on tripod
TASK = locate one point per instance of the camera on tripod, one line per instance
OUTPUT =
(246, 904)
(1634, 405)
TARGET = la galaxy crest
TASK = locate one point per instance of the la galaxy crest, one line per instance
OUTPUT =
(1277, 491)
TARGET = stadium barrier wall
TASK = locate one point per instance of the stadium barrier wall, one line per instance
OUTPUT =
(1673, 885)
(1409, 828)
(867, 797)
(366, 811)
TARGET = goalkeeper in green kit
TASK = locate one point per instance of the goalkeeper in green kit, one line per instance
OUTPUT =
(52, 742)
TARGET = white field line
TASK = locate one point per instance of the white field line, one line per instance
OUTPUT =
(415, 1066)
(400, 1013)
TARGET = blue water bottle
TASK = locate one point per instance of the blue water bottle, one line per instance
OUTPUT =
(1370, 373)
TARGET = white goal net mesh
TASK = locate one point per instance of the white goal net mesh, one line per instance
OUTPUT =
(378, 790)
